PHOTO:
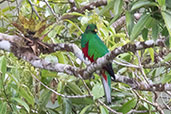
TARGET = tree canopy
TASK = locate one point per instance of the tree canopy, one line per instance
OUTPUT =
(43, 71)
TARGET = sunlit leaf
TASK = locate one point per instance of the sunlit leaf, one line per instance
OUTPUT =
(167, 16)
(67, 106)
(141, 24)
(3, 66)
(129, 22)
(142, 3)
(74, 25)
(166, 78)
(128, 106)
(22, 103)
(61, 58)
(26, 93)
(3, 108)
(83, 111)
(97, 91)
(82, 101)
(117, 7)
(8, 9)
(47, 73)
(167, 57)
(151, 51)
(74, 88)
(44, 98)
(161, 2)
(103, 110)
(107, 7)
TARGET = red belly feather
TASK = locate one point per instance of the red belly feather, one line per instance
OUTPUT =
(85, 51)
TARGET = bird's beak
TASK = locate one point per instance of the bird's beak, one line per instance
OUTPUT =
(95, 30)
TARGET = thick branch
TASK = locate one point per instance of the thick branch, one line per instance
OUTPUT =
(118, 24)
(111, 55)
(89, 7)
(143, 85)
(13, 44)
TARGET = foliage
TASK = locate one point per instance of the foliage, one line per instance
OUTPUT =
(21, 93)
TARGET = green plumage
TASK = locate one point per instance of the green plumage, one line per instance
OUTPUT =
(95, 46)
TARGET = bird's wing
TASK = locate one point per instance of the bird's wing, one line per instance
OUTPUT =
(96, 47)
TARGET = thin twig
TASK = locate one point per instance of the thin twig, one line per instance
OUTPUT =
(18, 10)
(141, 68)
(62, 95)
(127, 65)
(110, 109)
(33, 9)
(72, 5)
(52, 11)
(4, 91)
(156, 105)
(85, 85)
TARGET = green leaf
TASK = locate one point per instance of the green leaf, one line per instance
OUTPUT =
(159, 71)
(103, 110)
(168, 3)
(142, 3)
(155, 31)
(129, 22)
(74, 88)
(141, 24)
(161, 2)
(83, 111)
(97, 91)
(3, 29)
(82, 101)
(3, 66)
(74, 25)
(167, 16)
(113, 20)
(8, 8)
(166, 78)
(47, 73)
(128, 106)
(74, 13)
(107, 7)
(168, 41)
(22, 103)
(61, 58)
(145, 33)
(151, 51)
(25, 92)
(167, 57)
(117, 7)
(67, 107)
(44, 98)
(51, 58)
(3, 108)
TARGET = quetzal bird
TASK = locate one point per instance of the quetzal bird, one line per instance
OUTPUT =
(94, 48)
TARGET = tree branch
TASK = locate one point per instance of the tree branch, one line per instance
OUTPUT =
(89, 7)
(119, 23)
(120, 50)
(33, 9)
(62, 95)
(13, 44)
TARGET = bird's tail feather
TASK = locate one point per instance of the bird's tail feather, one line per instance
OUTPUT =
(106, 80)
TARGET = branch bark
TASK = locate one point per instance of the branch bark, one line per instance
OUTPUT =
(89, 7)
(14, 43)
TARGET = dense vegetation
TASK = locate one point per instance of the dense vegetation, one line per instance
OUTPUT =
(27, 89)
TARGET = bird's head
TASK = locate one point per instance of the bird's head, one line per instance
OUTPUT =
(91, 28)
